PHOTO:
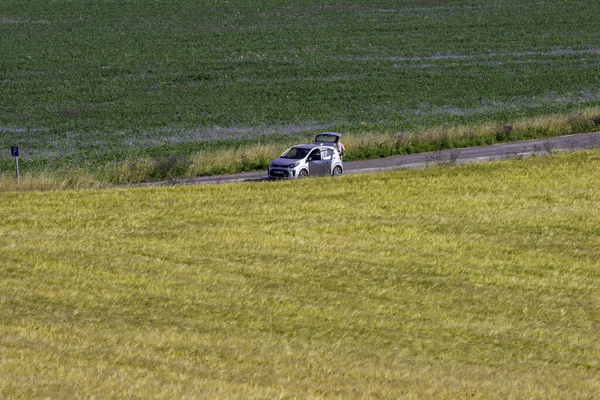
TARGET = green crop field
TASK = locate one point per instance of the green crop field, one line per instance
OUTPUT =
(478, 281)
(87, 83)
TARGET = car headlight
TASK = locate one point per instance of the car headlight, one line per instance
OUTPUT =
(294, 165)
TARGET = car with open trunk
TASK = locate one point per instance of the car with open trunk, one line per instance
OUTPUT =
(321, 158)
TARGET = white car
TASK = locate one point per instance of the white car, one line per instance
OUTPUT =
(319, 159)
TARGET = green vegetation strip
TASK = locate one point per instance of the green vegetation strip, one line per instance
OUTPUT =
(233, 158)
(477, 281)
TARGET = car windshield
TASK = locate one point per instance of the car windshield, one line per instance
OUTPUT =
(296, 153)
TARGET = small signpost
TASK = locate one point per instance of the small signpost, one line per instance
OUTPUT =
(14, 151)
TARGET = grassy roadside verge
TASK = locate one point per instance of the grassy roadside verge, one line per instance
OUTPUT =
(257, 156)
(475, 281)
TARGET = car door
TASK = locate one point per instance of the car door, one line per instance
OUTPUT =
(317, 166)
(327, 157)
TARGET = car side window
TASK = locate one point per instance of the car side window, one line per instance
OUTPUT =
(315, 155)
(326, 154)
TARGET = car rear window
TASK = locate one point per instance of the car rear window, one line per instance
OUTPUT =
(325, 138)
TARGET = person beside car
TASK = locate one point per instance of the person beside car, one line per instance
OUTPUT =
(341, 149)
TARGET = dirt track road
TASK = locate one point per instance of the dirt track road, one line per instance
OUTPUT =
(421, 160)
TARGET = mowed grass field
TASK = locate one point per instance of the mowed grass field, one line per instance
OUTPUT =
(89, 83)
(478, 281)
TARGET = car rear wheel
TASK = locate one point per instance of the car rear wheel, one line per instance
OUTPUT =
(337, 170)
(303, 173)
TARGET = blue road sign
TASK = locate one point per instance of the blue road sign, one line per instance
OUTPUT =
(14, 151)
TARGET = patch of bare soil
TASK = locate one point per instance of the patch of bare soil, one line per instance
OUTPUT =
(10, 20)
(17, 20)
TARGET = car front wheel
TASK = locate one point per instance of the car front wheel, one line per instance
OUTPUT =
(337, 170)
(302, 174)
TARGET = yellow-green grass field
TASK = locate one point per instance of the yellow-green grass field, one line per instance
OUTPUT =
(478, 281)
